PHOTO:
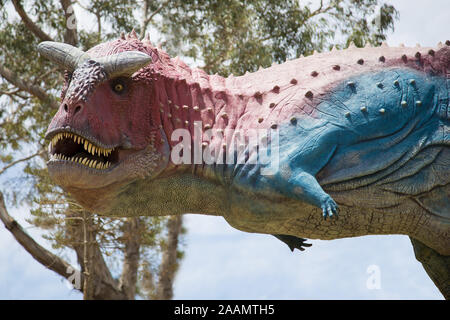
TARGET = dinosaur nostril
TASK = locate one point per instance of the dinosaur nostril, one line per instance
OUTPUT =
(66, 108)
(77, 109)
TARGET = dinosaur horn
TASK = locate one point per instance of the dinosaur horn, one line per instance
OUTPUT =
(124, 63)
(63, 54)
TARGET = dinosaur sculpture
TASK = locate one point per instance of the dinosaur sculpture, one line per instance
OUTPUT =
(362, 132)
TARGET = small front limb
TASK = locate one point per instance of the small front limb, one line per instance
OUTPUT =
(305, 187)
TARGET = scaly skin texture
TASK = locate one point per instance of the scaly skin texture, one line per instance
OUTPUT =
(362, 132)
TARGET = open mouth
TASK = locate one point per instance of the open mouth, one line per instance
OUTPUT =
(71, 147)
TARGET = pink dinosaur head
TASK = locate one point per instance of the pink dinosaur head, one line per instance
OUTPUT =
(104, 134)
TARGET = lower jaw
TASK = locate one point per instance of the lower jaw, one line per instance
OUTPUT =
(67, 174)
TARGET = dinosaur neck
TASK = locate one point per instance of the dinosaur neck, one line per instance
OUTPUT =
(198, 104)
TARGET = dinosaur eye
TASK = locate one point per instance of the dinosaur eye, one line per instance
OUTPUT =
(118, 86)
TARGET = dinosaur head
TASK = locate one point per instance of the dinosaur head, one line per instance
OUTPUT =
(103, 137)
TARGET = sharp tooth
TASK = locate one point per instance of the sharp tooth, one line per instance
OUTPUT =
(94, 150)
(85, 145)
(84, 161)
(92, 164)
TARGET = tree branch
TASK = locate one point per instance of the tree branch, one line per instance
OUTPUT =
(29, 23)
(71, 35)
(146, 19)
(39, 253)
(20, 160)
(36, 91)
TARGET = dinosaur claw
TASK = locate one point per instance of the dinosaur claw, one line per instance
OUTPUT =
(293, 242)
(330, 208)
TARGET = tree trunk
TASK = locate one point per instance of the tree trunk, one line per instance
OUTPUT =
(169, 264)
(128, 279)
(100, 284)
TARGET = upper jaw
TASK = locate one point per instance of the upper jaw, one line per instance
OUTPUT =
(71, 146)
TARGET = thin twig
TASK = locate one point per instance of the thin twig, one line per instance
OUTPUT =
(147, 19)
(21, 160)
(29, 23)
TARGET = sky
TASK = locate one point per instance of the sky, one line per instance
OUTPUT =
(223, 263)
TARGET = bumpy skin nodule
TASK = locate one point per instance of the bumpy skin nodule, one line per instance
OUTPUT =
(362, 130)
